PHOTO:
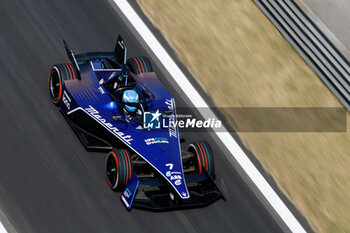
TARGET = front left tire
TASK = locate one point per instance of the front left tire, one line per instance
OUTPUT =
(119, 169)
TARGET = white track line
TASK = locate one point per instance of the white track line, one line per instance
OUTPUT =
(2, 228)
(2, 217)
(237, 152)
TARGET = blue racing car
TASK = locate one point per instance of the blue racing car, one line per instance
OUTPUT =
(118, 105)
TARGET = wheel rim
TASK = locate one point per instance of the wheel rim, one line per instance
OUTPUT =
(112, 174)
(55, 84)
(192, 148)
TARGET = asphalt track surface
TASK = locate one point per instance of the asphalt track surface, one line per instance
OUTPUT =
(48, 181)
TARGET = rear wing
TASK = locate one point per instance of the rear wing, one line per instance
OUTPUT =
(119, 54)
(86, 57)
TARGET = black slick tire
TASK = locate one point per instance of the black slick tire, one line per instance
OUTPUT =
(204, 157)
(118, 169)
(58, 74)
(139, 65)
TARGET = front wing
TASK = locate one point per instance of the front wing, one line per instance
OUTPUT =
(157, 195)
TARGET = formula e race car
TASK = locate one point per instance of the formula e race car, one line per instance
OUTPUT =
(118, 105)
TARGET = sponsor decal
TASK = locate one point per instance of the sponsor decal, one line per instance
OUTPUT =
(171, 118)
(101, 90)
(66, 100)
(95, 114)
(127, 193)
(178, 179)
(170, 173)
(156, 140)
(173, 175)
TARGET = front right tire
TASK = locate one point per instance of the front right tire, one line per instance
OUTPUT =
(204, 157)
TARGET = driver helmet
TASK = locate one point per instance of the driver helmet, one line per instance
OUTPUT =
(130, 96)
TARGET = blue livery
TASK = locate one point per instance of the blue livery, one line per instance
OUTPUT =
(118, 105)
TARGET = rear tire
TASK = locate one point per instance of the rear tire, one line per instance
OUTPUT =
(58, 74)
(204, 157)
(139, 65)
(118, 169)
